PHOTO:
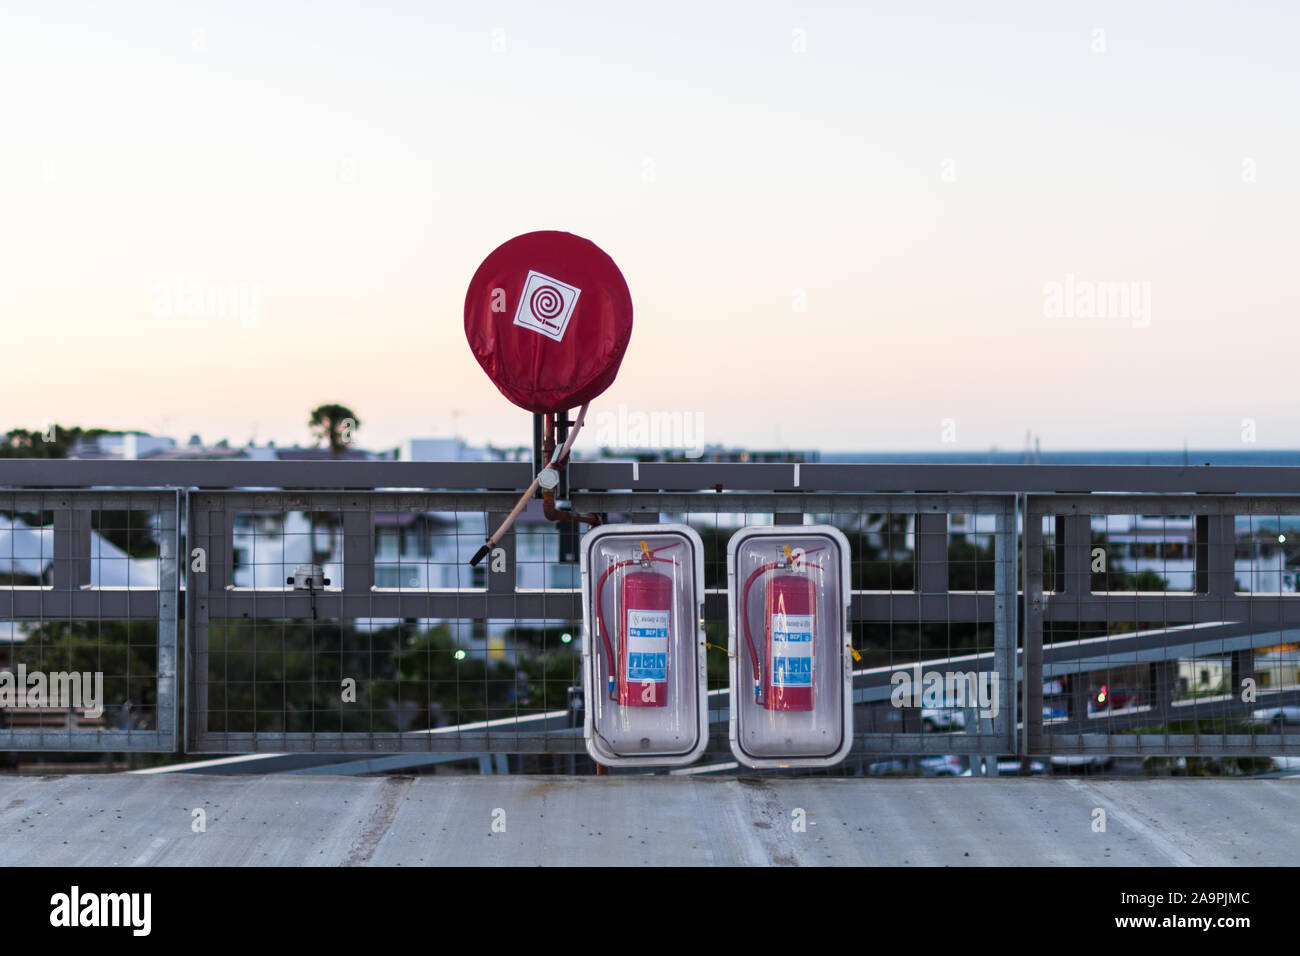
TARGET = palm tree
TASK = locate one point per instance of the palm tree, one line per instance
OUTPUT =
(334, 424)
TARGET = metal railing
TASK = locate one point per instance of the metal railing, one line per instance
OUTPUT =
(1177, 652)
(89, 616)
(1046, 577)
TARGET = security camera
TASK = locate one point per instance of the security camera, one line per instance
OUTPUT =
(308, 577)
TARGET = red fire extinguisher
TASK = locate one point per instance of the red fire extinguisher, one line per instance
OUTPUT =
(790, 619)
(644, 635)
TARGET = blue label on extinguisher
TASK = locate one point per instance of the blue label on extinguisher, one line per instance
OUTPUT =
(647, 645)
(792, 647)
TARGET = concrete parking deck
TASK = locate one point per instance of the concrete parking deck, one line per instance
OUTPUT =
(126, 819)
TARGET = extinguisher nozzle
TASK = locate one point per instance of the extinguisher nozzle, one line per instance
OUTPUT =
(479, 555)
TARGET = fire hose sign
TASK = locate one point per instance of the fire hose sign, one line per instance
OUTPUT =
(546, 305)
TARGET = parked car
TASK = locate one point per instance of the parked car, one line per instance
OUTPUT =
(1113, 698)
(1069, 762)
(1010, 767)
(1277, 716)
(946, 766)
(942, 718)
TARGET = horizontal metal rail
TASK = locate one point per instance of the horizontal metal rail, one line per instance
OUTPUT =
(656, 476)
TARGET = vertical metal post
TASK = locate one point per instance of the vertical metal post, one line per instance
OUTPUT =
(1031, 659)
(218, 539)
(358, 545)
(70, 566)
(932, 553)
(198, 595)
(1164, 679)
(1005, 620)
(568, 530)
(1215, 554)
(931, 562)
(1080, 687)
(538, 435)
(169, 559)
(1243, 668)
(1201, 554)
(1058, 554)
(503, 582)
(1078, 554)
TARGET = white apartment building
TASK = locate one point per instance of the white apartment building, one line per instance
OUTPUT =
(414, 551)
(1267, 556)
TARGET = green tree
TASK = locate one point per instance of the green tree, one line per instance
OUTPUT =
(335, 425)
(132, 531)
(125, 652)
(54, 441)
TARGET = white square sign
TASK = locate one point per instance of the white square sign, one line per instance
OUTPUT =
(546, 305)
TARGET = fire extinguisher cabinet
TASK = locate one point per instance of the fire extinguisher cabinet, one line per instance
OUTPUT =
(791, 655)
(644, 669)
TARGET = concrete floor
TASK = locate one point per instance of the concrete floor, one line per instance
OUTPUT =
(129, 819)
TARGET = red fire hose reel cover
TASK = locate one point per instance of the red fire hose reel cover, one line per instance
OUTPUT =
(548, 316)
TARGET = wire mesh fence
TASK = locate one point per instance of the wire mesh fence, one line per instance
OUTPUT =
(1089, 625)
(1162, 627)
(88, 620)
(398, 645)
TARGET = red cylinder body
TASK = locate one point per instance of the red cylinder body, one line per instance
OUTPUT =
(644, 639)
(790, 612)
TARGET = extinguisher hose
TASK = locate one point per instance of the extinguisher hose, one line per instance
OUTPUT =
(560, 454)
(600, 607)
(744, 613)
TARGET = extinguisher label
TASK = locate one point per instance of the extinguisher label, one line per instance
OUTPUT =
(792, 647)
(647, 645)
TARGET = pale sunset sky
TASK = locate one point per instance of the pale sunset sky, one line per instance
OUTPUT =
(837, 222)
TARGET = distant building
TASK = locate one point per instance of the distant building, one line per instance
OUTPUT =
(414, 551)
(712, 453)
(126, 445)
(439, 449)
(27, 559)
(1267, 559)
(138, 445)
